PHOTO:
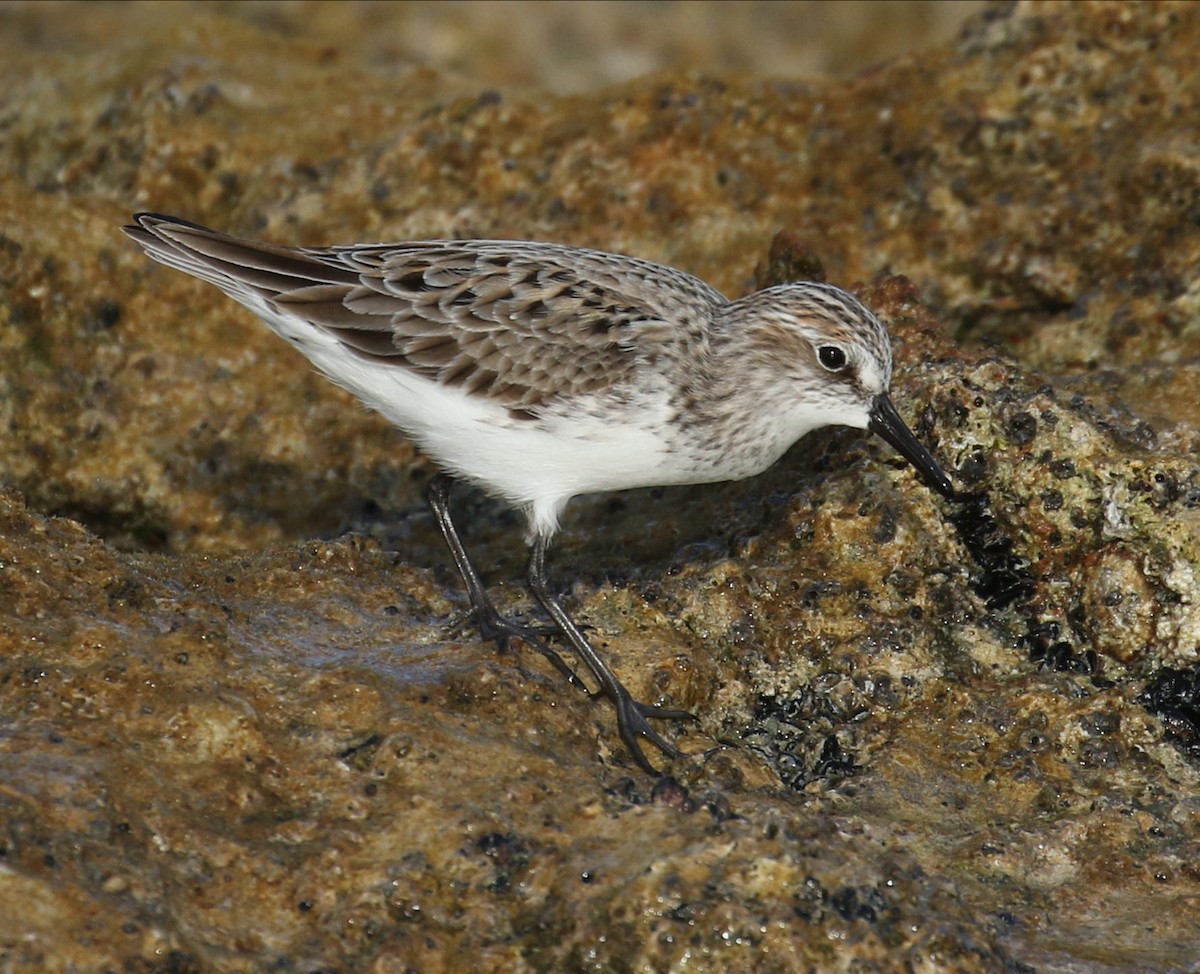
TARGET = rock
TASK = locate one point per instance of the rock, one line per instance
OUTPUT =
(957, 736)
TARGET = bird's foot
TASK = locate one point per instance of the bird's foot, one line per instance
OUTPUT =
(633, 724)
(494, 628)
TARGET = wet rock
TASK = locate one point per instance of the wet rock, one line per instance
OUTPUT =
(941, 734)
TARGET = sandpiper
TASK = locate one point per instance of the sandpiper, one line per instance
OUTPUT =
(538, 372)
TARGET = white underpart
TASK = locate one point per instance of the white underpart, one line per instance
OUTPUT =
(536, 465)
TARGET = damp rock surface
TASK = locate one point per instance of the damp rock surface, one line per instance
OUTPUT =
(236, 733)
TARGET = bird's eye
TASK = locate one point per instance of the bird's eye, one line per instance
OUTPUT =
(831, 357)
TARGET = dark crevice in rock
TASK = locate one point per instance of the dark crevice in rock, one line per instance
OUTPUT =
(1005, 581)
(1174, 697)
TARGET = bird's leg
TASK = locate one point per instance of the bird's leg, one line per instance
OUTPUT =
(493, 627)
(631, 714)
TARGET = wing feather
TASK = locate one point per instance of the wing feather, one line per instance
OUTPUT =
(523, 323)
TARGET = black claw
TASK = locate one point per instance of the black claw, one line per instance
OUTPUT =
(666, 713)
(496, 629)
(632, 725)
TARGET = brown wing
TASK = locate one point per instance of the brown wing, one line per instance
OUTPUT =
(519, 327)
(521, 322)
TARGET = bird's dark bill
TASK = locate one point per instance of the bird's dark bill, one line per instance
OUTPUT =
(886, 422)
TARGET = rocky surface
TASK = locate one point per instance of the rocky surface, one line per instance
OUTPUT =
(236, 734)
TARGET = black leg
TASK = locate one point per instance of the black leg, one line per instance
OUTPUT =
(631, 714)
(493, 627)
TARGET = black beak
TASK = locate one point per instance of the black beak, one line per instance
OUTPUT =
(887, 423)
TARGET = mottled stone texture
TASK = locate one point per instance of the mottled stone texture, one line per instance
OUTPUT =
(235, 734)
